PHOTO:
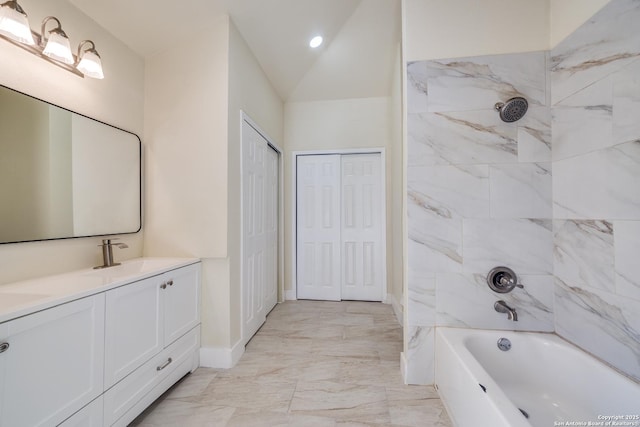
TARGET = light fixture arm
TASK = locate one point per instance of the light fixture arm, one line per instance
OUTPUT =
(52, 46)
(58, 29)
(80, 51)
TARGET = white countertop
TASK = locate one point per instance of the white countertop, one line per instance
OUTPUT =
(26, 297)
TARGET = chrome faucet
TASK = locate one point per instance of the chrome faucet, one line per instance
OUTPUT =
(502, 307)
(107, 253)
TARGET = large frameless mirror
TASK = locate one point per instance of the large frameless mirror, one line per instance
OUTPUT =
(64, 175)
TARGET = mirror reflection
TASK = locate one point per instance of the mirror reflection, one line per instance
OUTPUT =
(64, 175)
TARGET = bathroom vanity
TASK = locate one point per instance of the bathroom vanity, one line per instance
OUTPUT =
(96, 347)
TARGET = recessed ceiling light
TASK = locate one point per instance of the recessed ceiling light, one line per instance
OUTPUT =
(315, 42)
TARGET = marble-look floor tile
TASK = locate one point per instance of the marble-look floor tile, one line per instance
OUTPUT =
(350, 381)
(349, 402)
(419, 413)
(171, 413)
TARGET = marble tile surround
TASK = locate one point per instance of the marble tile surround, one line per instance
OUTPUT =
(572, 168)
(296, 373)
(595, 78)
(479, 195)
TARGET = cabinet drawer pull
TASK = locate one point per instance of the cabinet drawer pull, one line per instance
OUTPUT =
(164, 365)
(4, 347)
(163, 286)
(170, 283)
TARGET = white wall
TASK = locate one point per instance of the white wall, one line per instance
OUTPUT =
(117, 100)
(336, 124)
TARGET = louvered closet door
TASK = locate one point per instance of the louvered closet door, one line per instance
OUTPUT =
(361, 233)
(318, 227)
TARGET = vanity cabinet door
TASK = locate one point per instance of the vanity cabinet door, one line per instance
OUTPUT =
(182, 302)
(54, 363)
(134, 327)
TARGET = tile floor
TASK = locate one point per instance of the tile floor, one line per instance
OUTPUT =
(313, 363)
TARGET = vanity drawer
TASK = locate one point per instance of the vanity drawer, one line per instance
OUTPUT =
(132, 389)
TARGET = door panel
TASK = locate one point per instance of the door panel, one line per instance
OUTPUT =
(260, 229)
(362, 227)
(318, 227)
(272, 205)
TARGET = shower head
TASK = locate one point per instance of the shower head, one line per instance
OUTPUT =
(512, 110)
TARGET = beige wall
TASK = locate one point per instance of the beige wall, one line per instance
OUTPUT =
(249, 91)
(330, 125)
(455, 28)
(396, 156)
(438, 29)
(192, 127)
(568, 15)
(117, 100)
(186, 178)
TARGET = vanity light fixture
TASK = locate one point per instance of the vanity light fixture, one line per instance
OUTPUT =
(14, 23)
(57, 45)
(53, 46)
(89, 62)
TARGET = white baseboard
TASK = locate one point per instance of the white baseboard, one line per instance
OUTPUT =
(397, 308)
(290, 295)
(221, 357)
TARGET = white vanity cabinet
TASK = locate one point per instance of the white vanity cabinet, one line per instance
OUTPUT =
(52, 364)
(152, 337)
(96, 347)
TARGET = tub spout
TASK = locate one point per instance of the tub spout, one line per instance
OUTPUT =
(502, 307)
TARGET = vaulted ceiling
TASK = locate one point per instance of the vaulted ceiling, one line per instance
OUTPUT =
(362, 38)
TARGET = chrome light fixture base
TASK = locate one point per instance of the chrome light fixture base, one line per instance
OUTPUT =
(56, 49)
(37, 50)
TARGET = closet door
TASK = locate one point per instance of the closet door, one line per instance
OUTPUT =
(272, 205)
(318, 227)
(260, 219)
(362, 228)
(340, 226)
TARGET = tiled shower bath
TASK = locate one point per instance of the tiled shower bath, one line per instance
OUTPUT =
(555, 196)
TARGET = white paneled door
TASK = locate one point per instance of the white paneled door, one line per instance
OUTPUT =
(260, 229)
(318, 227)
(340, 227)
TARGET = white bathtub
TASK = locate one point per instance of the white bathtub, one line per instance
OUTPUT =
(554, 382)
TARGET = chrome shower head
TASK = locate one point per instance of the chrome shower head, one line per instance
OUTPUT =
(512, 110)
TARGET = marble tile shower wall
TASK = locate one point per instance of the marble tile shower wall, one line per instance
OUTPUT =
(479, 196)
(481, 192)
(595, 87)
